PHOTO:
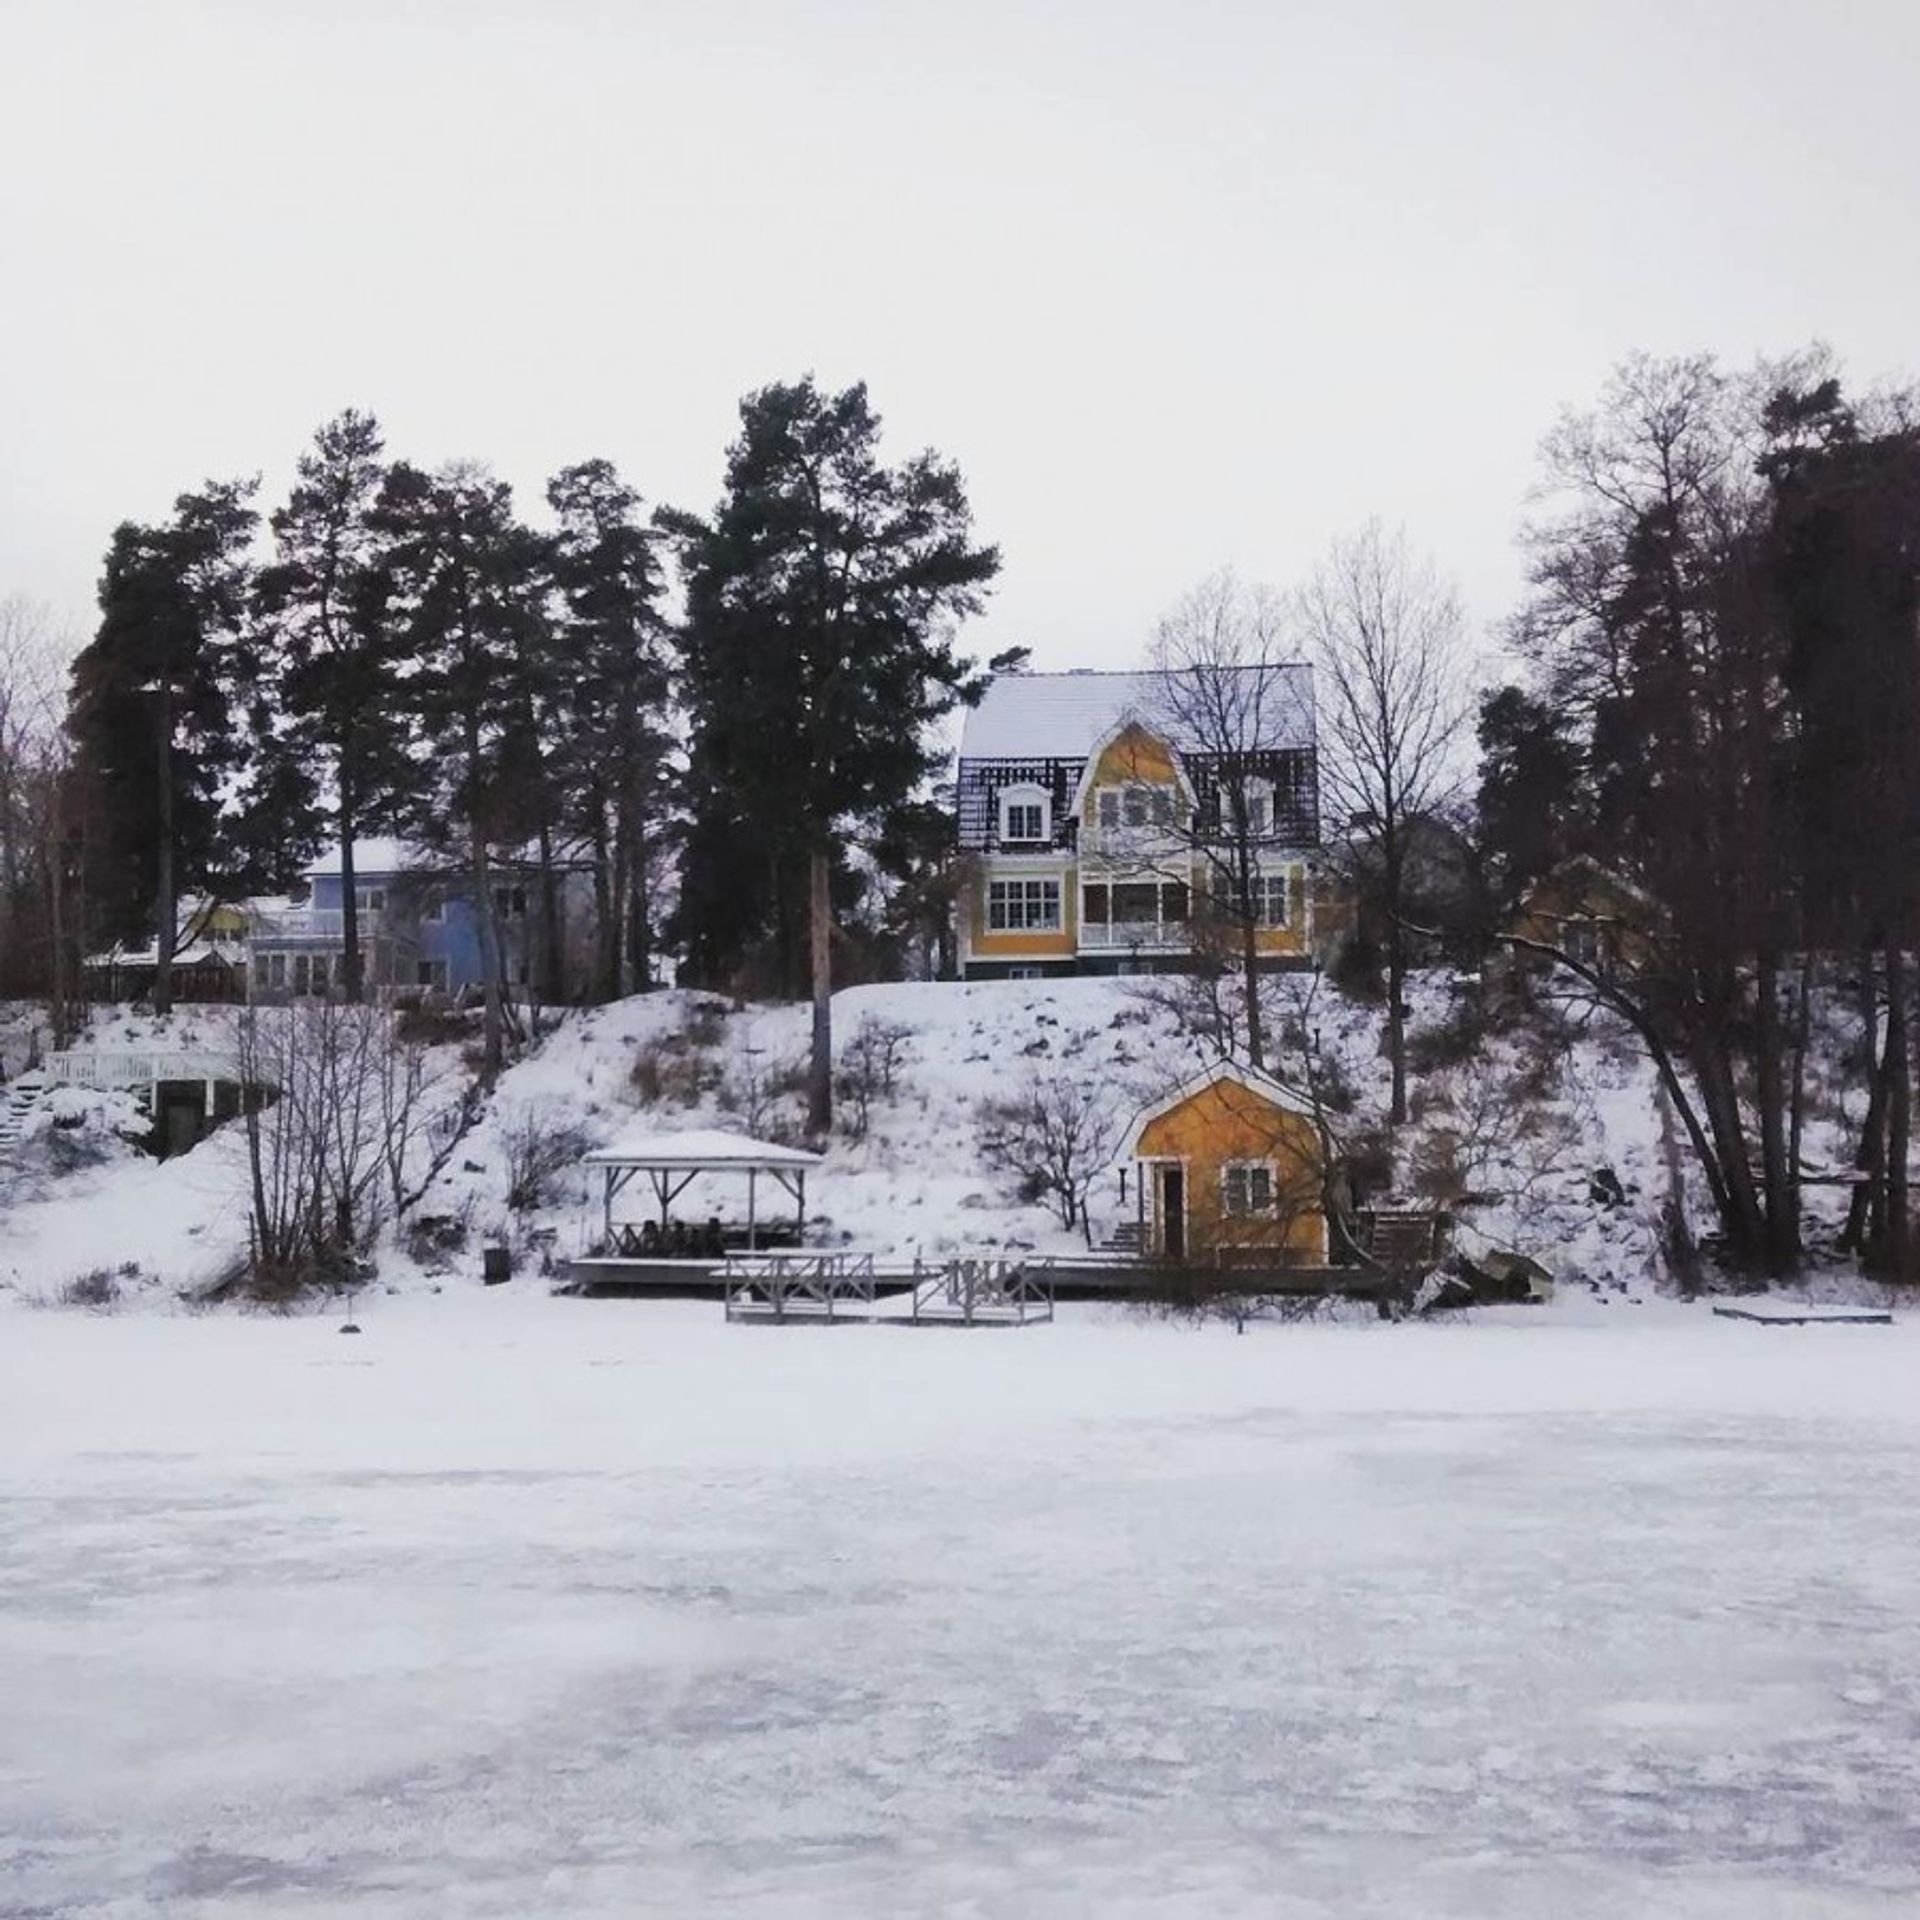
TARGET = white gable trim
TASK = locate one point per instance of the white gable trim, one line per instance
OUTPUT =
(1113, 733)
(1251, 1078)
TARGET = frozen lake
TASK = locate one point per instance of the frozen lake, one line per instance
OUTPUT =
(518, 1607)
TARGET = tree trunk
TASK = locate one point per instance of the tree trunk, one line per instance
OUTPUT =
(820, 1066)
(606, 909)
(493, 1027)
(59, 1014)
(1797, 1089)
(352, 970)
(1864, 1210)
(552, 970)
(1781, 1238)
(1250, 963)
(1396, 1022)
(1899, 1112)
(1740, 1207)
(165, 913)
(640, 902)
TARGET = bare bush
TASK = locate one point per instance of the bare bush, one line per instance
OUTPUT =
(764, 1091)
(98, 1289)
(869, 1066)
(1054, 1135)
(540, 1143)
(1491, 1131)
(682, 1066)
(335, 1107)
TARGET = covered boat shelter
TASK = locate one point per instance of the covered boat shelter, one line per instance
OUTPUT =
(671, 1162)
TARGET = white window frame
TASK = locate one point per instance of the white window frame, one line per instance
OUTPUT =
(1027, 904)
(1026, 798)
(1265, 888)
(1245, 1171)
(1258, 794)
(1266, 885)
(434, 912)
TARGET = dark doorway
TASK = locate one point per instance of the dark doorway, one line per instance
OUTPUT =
(1173, 1212)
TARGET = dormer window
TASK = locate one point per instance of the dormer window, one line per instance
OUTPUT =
(1026, 817)
(1258, 795)
(1137, 804)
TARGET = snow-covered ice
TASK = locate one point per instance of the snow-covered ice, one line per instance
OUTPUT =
(515, 1606)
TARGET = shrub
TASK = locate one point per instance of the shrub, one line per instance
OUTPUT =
(1053, 1135)
(98, 1288)
(680, 1068)
(540, 1142)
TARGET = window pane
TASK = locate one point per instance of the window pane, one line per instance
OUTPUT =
(1134, 806)
(1173, 901)
(1135, 902)
(1093, 905)
(1109, 803)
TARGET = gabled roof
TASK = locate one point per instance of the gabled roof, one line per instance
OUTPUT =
(1277, 1092)
(1128, 720)
(1062, 716)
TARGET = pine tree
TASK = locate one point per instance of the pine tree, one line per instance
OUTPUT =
(333, 679)
(611, 723)
(468, 582)
(1532, 792)
(152, 709)
(821, 601)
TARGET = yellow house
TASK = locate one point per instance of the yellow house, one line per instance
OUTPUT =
(1097, 841)
(1231, 1171)
(1590, 913)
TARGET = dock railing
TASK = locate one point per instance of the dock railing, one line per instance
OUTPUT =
(796, 1286)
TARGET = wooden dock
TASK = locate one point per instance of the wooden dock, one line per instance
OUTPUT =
(1790, 1313)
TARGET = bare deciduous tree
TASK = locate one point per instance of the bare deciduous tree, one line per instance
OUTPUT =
(1386, 637)
(1221, 694)
(335, 1108)
(1055, 1133)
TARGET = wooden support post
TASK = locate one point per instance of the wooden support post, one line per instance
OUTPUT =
(752, 1181)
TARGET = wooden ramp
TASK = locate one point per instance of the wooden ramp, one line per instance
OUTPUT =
(851, 1289)
(1792, 1313)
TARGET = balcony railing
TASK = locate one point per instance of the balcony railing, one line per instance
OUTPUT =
(313, 923)
(1160, 936)
(93, 1067)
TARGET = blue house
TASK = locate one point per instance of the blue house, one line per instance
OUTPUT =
(419, 925)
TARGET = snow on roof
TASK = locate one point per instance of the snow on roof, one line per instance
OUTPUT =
(378, 859)
(1063, 716)
(1256, 1081)
(373, 857)
(701, 1148)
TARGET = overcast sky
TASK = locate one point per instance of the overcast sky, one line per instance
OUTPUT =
(1176, 285)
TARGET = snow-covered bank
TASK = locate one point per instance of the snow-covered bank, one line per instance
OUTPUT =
(516, 1606)
(915, 1181)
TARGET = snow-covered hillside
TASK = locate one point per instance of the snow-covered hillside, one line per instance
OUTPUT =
(1561, 1155)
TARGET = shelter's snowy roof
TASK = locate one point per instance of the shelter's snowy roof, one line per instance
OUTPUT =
(702, 1147)
(1064, 716)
